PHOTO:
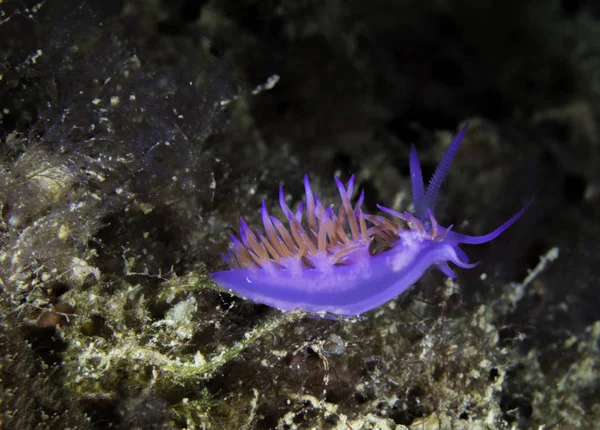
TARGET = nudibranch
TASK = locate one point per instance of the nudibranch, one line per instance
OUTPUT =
(347, 262)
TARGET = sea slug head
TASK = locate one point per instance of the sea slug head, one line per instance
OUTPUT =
(347, 262)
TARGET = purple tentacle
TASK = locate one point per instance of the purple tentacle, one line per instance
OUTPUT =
(477, 240)
(446, 270)
(418, 187)
(442, 170)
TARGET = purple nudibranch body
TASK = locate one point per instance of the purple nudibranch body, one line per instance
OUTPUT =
(347, 262)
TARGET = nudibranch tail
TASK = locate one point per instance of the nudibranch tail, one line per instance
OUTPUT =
(347, 262)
